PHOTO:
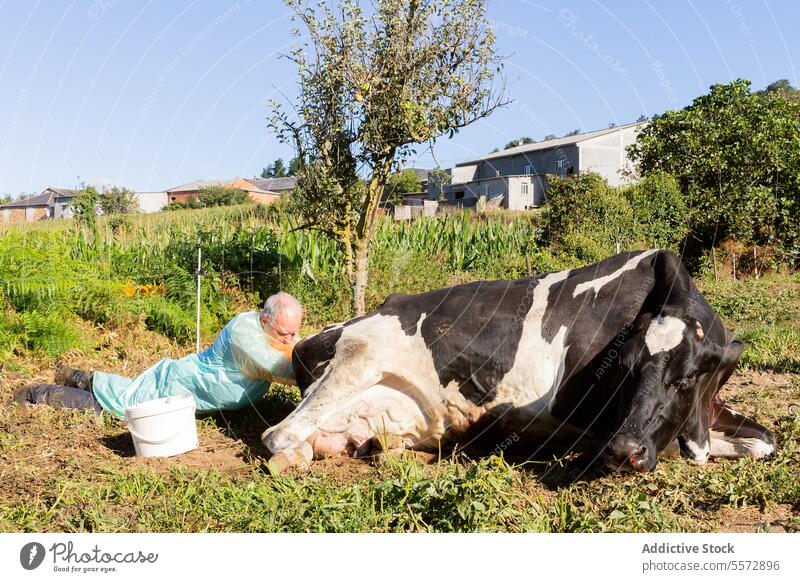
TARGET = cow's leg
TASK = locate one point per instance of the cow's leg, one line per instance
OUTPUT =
(734, 435)
(379, 417)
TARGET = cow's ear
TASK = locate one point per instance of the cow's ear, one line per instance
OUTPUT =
(712, 358)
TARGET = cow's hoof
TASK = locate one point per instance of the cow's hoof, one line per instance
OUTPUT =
(390, 443)
(299, 458)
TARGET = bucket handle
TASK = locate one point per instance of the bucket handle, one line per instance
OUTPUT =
(140, 438)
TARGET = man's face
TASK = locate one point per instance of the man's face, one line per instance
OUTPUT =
(284, 326)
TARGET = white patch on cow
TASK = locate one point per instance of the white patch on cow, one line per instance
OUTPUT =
(726, 447)
(698, 451)
(378, 411)
(664, 334)
(378, 373)
(600, 282)
(539, 365)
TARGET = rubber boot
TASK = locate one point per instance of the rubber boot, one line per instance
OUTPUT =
(75, 378)
(22, 397)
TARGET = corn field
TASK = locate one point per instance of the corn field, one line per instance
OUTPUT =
(144, 265)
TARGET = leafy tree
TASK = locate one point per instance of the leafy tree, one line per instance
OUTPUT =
(736, 159)
(519, 142)
(784, 88)
(642, 118)
(370, 87)
(779, 85)
(5, 199)
(84, 207)
(549, 136)
(274, 170)
(221, 196)
(401, 183)
(659, 210)
(573, 132)
(277, 169)
(294, 166)
(119, 201)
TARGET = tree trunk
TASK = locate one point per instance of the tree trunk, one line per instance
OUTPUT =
(364, 230)
(360, 278)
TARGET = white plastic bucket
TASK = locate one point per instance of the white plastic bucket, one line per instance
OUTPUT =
(163, 427)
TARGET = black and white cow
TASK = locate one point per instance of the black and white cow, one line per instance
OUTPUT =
(626, 352)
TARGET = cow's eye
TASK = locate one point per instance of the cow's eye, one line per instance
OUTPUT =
(686, 382)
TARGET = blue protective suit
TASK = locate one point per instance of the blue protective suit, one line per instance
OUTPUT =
(234, 372)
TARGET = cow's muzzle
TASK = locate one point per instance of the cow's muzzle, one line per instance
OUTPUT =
(629, 452)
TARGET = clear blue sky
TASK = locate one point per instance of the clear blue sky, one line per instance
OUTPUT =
(151, 94)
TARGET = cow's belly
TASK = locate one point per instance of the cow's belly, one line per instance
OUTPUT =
(378, 412)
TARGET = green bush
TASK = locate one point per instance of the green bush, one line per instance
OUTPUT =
(584, 211)
(659, 210)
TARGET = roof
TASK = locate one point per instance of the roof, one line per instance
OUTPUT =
(197, 184)
(43, 199)
(257, 185)
(65, 192)
(551, 143)
(274, 184)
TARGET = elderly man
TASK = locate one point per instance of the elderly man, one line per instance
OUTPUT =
(252, 350)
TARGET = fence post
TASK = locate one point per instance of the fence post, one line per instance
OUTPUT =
(198, 273)
(714, 262)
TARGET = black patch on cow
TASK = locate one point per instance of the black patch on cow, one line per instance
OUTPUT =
(472, 330)
(311, 356)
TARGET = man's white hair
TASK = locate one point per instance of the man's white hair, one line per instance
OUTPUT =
(278, 302)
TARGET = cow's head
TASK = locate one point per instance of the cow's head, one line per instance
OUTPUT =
(671, 373)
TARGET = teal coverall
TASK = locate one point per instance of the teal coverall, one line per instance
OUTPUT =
(234, 372)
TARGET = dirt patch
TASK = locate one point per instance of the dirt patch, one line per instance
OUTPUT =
(778, 519)
(763, 396)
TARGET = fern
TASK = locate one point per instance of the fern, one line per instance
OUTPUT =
(50, 333)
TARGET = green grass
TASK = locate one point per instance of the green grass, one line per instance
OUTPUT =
(403, 495)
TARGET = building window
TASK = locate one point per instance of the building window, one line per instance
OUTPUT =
(560, 164)
(459, 195)
(497, 173)
(526, 169)
(523, 188)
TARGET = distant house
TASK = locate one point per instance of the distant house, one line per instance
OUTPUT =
(516, 178)
(191, 191)
(51, 203)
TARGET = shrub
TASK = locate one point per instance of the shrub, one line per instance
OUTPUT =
(585, 210)
(221, 196)
(659, 210)
(119, 201)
